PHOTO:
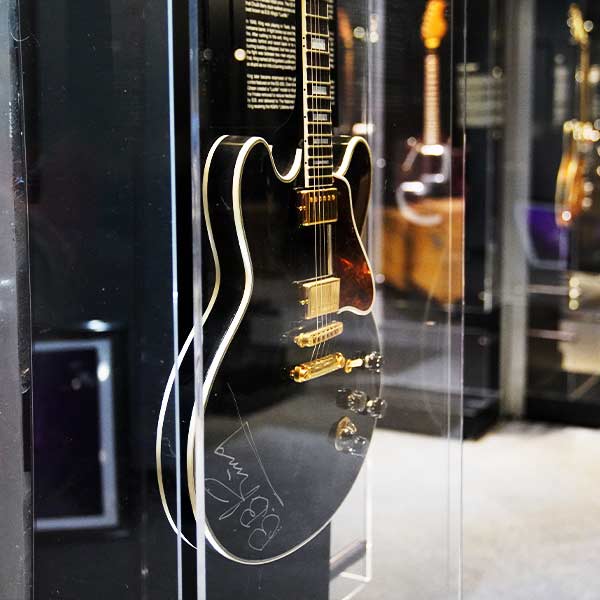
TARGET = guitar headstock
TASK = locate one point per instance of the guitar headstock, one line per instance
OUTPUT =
(435, 26)
(580, 28)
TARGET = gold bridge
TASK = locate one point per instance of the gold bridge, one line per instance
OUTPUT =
(334, 362)
(318, 206)
(310, 339)
(320, 297)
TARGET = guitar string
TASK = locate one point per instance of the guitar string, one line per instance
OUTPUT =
(315, 119)
(327, 151)
(329, 148)
(318, 160)
(317, 169)
(313, 206)
(315, 116)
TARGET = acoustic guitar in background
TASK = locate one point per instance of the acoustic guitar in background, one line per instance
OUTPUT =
(577, 176)
(423, 235)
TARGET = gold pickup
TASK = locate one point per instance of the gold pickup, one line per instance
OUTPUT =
(320, 297)
(318, 206)
(310, 339)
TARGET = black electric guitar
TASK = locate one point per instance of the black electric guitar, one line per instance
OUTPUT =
(292, 371)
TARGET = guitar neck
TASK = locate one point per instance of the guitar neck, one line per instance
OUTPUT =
(584, 84)
(431, 99)
(317, 94)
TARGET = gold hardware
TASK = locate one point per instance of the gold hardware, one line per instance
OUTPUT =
(347, 438)
(310, 339)
(352, 364)
(372, 362)
(318, 368)
(318, 207)
(345, 429)
(320, 297)
(332, 363)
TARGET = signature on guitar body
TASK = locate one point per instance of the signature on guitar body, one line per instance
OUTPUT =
(243, 500)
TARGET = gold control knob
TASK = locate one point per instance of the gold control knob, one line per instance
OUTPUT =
(347, 439)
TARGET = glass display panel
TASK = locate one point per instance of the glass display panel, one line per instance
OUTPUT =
(98, 137)
(329, 210)
(245, 253)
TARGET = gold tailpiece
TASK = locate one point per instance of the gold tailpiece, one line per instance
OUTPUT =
(318, 368)
(334, 362)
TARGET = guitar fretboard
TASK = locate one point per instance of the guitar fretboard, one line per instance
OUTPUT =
(317, 94)
(431, 125)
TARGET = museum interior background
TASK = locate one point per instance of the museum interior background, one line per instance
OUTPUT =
(484, 239)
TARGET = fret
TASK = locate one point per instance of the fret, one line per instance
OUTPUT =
(324, 153)
(320, 139)
(317, 60)
(322, 147)
(319, 104)
(321, 165)
(317, 26)
(319, 67)
(316, 6)
(324, 150)
(311, 16)
(319, 129)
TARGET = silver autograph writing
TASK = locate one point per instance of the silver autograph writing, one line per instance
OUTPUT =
(240, 496)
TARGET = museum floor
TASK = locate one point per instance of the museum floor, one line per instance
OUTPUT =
(531, 515)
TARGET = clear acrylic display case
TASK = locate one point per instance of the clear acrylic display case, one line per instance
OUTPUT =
(387, 83)
(242, 223)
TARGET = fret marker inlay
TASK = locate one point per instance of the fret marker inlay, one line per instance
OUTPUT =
(318, 43)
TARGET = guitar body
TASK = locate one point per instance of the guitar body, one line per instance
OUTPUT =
(576, 186)
(422, 176)
(274, 472)
(570, 181)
